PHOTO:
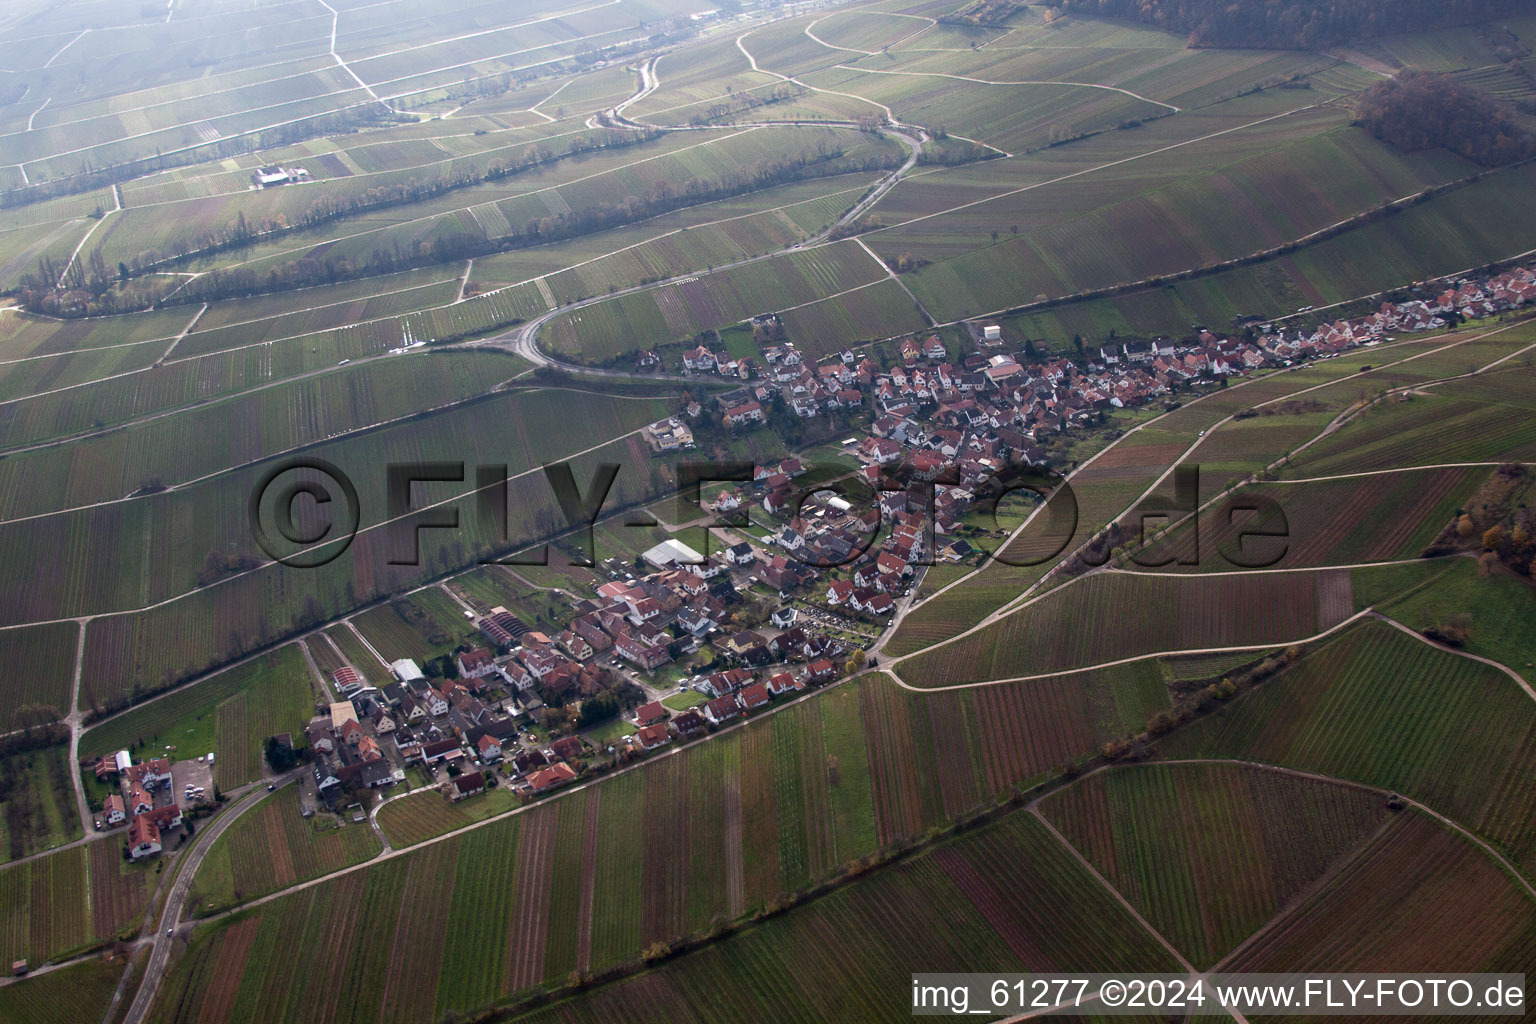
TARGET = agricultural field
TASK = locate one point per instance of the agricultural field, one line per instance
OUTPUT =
(1494, 606)
(1476, 420)
(1209, 852)
(961, 906)
(354, 652)
(80, 992)
(988, 916)
(48, 650)
(272, 847)
(36, 803)
(1110, 617)
(44, 912)
(715, 300)
(428, 813)
(1416, 894)
(1382, 517)
(1379, 706)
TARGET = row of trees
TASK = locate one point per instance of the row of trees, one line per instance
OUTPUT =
(984, 14)
(39, 294)
(1296, 24)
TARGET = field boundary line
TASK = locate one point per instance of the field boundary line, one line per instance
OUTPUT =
(267, 565)
(1121, 898)
(360, 431)
(1281, 769)
(732, 133)
(1176, 653)
(1520, 680)
(983, 81)
(1387, 472)
(184, 332)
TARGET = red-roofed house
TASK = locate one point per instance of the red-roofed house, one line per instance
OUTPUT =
(783, 682)
(722, 709)
(149, 773)
(557, 774)
(650, 714)
(754, 697)
(143, 837)
(652, 736)
(489, 748)
(747, 412)
(476, 664)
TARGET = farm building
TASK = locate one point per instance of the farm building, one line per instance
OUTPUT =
(406, 670)
(348, 680)
(671, 553)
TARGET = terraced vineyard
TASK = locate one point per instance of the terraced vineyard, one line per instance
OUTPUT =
(425, 235)
(1383, 708)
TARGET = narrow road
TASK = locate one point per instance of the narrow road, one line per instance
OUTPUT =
(184, 332)
(523, 339)
(314, 670)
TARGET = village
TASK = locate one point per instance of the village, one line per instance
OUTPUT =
(929, 401)
(681, 643)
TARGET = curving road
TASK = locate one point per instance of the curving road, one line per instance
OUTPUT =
(185, 872)
(523, 339)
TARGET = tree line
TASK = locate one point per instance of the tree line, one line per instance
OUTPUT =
(88, 177)
(1295, 24)
(96, 293)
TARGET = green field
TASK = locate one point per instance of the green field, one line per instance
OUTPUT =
(231, 714)
(961, 905)
(428, 813)
(487, 214)
(1111, 617)
(76, 993)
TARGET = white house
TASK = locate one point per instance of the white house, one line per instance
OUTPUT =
(143, 837)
